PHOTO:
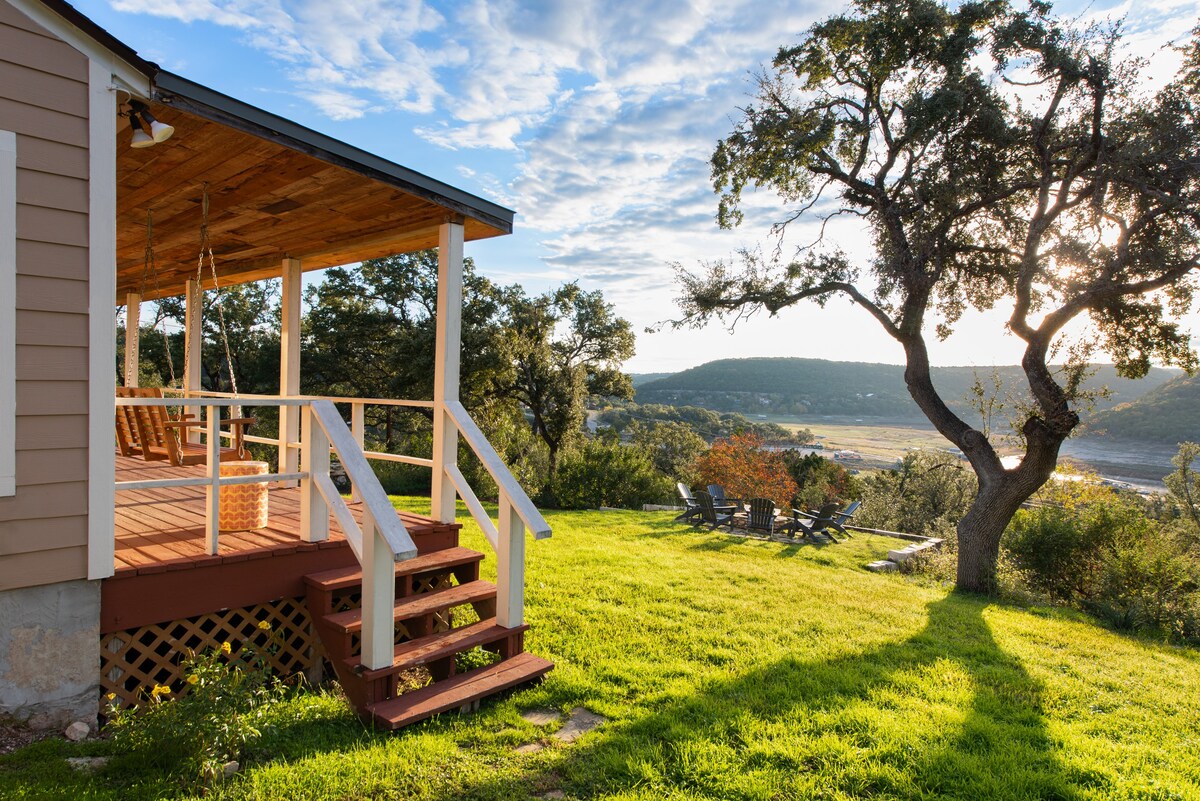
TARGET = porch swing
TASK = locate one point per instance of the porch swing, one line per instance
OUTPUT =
(150, 431)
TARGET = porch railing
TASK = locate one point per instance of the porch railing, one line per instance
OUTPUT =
(378, 542)
(323, 429)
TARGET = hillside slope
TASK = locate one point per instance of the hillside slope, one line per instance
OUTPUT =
(1167, 414)
(817, 386)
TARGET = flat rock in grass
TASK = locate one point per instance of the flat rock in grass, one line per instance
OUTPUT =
(555, 794)
(883, 566)
(540, 717)
(87, 764)
(530, 748)
(579, 723)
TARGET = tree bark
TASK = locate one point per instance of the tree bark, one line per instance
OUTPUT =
(1001, 493)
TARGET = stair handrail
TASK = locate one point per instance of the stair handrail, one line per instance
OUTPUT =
(358, 470)
(380, 542)
(506, 482)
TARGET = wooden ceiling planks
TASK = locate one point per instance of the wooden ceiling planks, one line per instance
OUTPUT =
(266, 202)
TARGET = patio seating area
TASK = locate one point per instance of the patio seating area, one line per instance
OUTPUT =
(712, 508)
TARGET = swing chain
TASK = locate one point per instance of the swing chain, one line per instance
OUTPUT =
(206, 251)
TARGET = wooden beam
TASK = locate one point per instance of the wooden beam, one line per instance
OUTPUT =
(133, 337)
(446, 367)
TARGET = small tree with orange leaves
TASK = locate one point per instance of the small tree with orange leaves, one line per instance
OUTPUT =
(745, 470)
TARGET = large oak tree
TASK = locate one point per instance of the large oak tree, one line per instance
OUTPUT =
(998, 157)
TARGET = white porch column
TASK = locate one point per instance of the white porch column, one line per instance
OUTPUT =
(445, 370)
(133, 337)
(193, 338)
(289, 365)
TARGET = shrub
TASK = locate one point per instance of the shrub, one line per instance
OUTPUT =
(1099, 551)
(745, 470)
(1146, 583)
(600, 474)
(927, 493)
(820, 480)
(193, 730)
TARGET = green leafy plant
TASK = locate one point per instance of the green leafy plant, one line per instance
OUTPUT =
(193, 730)
(598, 474)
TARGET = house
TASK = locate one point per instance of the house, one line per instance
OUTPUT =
(112, 565)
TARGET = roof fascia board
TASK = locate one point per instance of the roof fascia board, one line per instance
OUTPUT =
(178, 92)
(65, 22)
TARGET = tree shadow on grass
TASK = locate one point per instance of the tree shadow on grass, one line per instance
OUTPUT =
(944, 714)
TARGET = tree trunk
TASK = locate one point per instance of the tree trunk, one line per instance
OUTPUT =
(1001, 493)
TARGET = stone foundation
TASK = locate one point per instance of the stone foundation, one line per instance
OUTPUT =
(49, 668)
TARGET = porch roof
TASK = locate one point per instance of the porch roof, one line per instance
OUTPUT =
(276, 190)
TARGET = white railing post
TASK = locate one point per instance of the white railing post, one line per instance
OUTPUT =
(358, 429)
(378, 596)
(314, 510)
(445, 366)
(133, 336)
(289, 364)
(510, 567)
(212, 493)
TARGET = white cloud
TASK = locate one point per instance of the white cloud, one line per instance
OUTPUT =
(599, 116)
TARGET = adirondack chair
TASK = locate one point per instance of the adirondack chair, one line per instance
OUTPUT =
(158, 438)
(691, 506)
(761, 516)
(840, 518)
(821, 521)
(711, 514)
(718, 493)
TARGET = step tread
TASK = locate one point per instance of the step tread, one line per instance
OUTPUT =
(341, 578)
(423, 603)
(433, 647)
(458, 690)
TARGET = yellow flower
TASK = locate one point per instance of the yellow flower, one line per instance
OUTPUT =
(111, 696)
(192, 679)
(160, 689)
(226, 648)
(264, 625)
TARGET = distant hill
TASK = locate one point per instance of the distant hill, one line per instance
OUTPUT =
(817, 386)
(643, 378)
(1167, 414)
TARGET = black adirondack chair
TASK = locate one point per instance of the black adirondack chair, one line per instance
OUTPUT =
(840, 518)
(692, 510)
(761, 516)
(711, 514)
(718, 493)
(809, 524)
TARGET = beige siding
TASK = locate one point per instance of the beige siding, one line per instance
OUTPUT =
(43, 99)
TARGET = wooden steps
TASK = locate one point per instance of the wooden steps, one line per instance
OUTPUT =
(473, 592)
(348, 577)
(458, 691)
(431, 648)
(424, 607)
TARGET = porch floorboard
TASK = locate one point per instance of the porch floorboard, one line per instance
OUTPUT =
(163, 529)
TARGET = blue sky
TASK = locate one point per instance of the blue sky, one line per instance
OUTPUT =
(593, 120)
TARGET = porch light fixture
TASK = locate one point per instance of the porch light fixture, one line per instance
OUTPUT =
(139, 118)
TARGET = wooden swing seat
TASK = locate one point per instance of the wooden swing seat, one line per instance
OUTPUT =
(150, 432)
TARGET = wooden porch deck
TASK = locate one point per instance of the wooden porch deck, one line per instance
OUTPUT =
(164, 572)
(163, 529)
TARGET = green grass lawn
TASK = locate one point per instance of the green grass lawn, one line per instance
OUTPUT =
(737, 669)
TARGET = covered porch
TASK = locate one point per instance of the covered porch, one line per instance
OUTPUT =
(339, 573)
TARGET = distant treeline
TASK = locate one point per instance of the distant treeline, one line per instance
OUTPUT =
(816, 386)
(708, 424)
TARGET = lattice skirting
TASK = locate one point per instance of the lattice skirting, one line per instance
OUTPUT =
(133, 661)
